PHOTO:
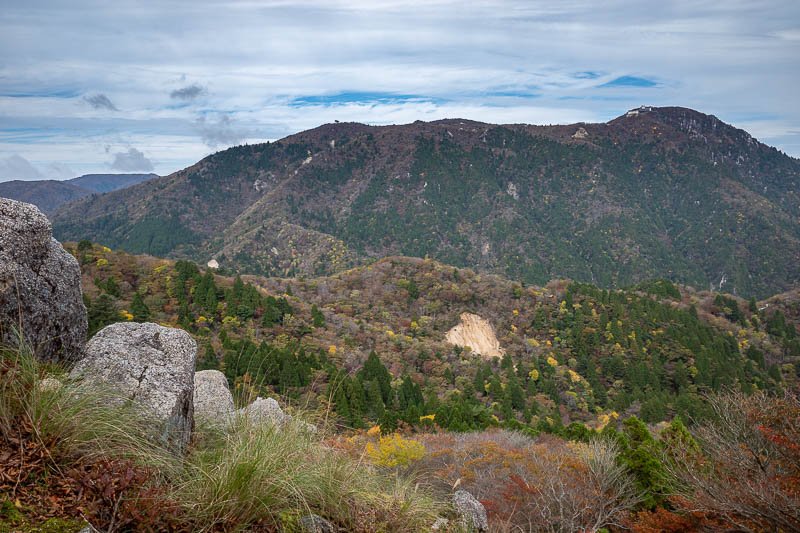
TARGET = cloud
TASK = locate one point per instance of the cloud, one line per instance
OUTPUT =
(17, 167)
(100, 101)
(59, 171)
(190, 92)
(220, 133)
(130, 161)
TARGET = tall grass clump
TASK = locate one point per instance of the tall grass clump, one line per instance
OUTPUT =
(263, 473)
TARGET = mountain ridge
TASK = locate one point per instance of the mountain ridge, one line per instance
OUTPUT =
(667, 192)
(49, 195)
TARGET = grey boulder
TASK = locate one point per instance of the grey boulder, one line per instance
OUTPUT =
(470, 511)
(213, 401)
(268, 410)
(265, 409)
(150, 365)
(40, 286)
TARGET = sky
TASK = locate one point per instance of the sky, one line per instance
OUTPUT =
(100, 87)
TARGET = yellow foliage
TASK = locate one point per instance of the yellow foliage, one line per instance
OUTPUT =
(390, 332)
(393, 450)
(374, 431)
(515, 312)
(534, 374)
(552, 362)
(513, 327)
(549, 343)
(102, 262)
(533, 342)
(427, 417)
(574, 376)
(106, 249)
(331, 350)
(126, 315)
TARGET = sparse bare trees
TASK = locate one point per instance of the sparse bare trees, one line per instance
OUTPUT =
(747, 470)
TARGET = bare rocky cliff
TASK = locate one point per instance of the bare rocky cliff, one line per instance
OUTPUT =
(477, 334)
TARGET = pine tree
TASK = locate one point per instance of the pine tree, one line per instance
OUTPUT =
(139, 310)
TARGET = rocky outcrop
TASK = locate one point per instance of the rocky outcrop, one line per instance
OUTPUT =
(213, 401)
(40, 286)
(580, 134)
(148, 364)
(477, 334)
(470, 511)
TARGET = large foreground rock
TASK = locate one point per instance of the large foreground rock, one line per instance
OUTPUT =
(213, 401)
(471, 511)
(40, 285)
(151, 365)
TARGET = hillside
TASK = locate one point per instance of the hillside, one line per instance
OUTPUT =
(49, 195)
(373, 340)
(658, 192)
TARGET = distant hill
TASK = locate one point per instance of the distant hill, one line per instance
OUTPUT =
(109, 182)
(658, 192)
(48, 195)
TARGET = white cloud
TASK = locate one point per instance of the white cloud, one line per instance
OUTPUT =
(17, 167)
(130, 161)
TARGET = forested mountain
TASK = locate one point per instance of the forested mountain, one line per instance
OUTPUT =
(49, 195)
(371, 342)
(658, 192)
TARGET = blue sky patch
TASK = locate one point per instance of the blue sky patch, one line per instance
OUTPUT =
(358, 97)
(630, 81)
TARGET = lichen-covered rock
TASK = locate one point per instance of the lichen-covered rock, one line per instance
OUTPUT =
(316, 524)
(213, 401)
(151, 365)
(471, 511)
(40, 286)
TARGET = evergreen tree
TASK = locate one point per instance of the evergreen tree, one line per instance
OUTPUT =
(101, 313)
(139, 310)
(317, 318)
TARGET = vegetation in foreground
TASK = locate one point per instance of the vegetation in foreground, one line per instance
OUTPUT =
(68, 455)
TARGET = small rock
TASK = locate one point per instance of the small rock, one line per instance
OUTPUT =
(151, 365)
(471, 511)
(440, 524)
(213, 400)
(265, 409)
(316, 524)
(49, 384)
(268, 409)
